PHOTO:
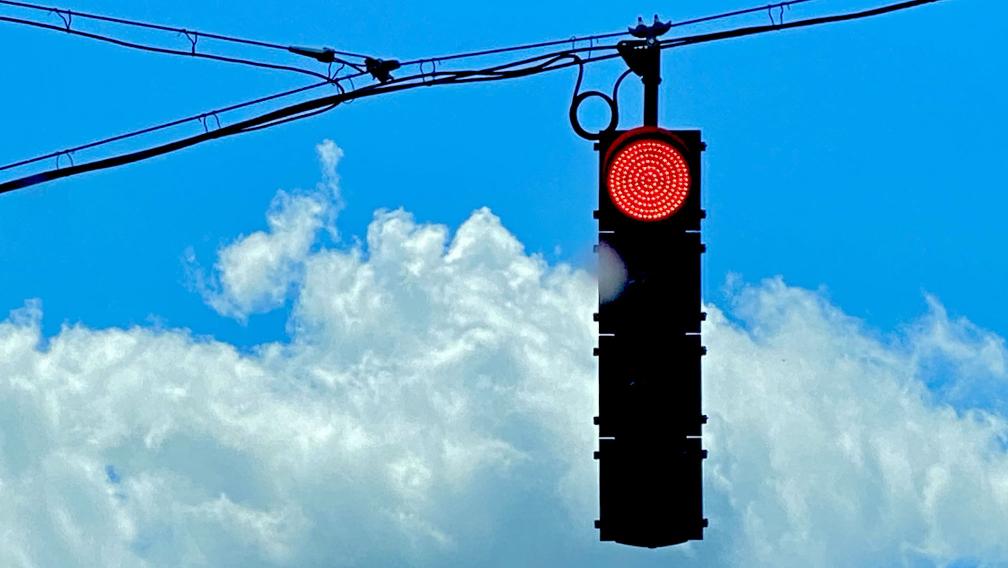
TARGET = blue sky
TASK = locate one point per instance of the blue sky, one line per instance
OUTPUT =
(853, 157)
(851, 173)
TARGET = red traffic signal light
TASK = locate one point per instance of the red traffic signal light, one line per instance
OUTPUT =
(647, 177)
(649, 180)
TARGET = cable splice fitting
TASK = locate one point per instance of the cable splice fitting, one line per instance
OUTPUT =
(322, 55)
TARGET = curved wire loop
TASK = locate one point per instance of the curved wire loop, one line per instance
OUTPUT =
(353, 87)
(203, 120)
(427, 77)
(579, 97)
(69, 156)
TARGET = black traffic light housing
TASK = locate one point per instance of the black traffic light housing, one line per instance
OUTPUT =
(649, 355)
(688, 216)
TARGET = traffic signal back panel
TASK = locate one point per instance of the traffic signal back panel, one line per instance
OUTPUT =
(642, 501)
(649, 345)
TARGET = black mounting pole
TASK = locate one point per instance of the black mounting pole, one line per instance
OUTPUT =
(643, 57)
(651, 79)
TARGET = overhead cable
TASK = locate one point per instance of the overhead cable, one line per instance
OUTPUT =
(753, 30)
(155, 49)
(573, 40)
(176, 122)
(547, 62)
(279, 116)
(768, 8)
(152, 26)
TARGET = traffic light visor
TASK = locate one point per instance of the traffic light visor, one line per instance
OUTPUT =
(648, 178)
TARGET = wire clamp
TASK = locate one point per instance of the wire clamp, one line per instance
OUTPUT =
(67, 20)
(193, 37)
(203, 120)
(639, 55)
(780, 13)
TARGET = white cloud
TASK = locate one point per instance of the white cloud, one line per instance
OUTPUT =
(256, 272)
(434, 408)
(828, 450)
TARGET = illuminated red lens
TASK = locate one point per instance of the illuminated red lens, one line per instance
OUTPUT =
(648, 179)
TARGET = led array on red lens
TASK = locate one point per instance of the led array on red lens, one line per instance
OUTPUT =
(648, 179)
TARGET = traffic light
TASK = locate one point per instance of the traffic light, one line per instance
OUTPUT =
(649, 350)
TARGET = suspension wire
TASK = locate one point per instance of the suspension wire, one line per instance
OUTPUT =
(544, 59)
(753, 30)
(549, 62)
(291, 118)
(524, 47)
(299, 110)
(155, 49)
(595, 37)
(335, 81)
(175, 122)
(768, 7)
(194, 33)
(152, 26)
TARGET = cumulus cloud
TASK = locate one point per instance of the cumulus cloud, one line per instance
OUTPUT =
(434, 404)
(832, 451)
(256, 272)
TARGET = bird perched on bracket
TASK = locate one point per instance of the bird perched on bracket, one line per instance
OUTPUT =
(656, 29)
(381, 69)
